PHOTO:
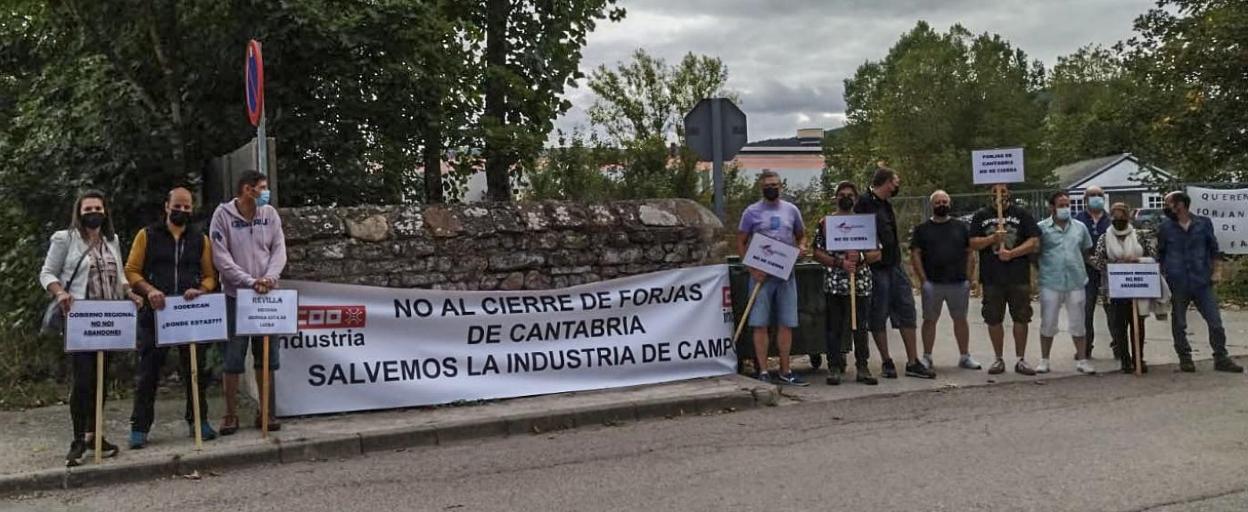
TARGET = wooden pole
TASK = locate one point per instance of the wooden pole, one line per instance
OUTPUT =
(99, 406)
(748, 306)
(853, 303)
(264, 394)
(1000, 217)
(199, 436)
(1136, 342)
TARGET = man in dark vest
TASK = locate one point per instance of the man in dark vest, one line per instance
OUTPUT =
(169, 258)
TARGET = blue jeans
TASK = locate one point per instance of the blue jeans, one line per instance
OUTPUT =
(777, 298)
(1207, 305)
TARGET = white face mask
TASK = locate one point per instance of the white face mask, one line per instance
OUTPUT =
(1062, 214)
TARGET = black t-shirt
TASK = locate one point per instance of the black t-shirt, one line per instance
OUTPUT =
(944, 249)
(885, 228)
(1019, 227)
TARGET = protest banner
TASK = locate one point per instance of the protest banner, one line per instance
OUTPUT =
(99, 326)
(850, 233)
(362, 347)
(191, 322)
(1228, 209)
(1134, 281)
(266, 314)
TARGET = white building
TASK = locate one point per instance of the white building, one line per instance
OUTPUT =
(1122, 177)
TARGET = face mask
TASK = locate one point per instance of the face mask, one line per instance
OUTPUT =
(1096, 203)
(93, 220)
(845, 203)
(770, 193)
(1170, 214)
(1120, 224)
(941, 211)
(896, 190)
(1062, 214)
(179, 218)
(263, 199)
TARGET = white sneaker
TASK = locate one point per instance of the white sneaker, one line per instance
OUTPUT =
(926, 360)
(1043, 367)
(969, 363)
(1084, 367)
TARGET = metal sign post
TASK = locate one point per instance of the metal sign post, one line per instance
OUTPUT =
(716, 129)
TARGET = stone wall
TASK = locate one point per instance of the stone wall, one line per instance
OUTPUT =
(489, 246)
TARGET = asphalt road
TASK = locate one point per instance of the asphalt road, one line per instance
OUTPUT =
(1168, 442)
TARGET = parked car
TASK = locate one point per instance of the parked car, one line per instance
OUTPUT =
(1147, 218)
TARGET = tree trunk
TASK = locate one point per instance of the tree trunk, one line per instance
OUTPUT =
(497, 149)
(433, 163)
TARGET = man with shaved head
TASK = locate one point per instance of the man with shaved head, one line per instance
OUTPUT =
(940, 253)
(168, 258)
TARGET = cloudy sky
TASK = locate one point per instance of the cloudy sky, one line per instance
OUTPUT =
(789, 58)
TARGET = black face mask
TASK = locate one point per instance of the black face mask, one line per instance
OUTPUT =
(1170, 214)
(771, 193)
(93, 220)
(896, 191)
(179, 218)
(1119, 224)
(941, 211)
(845, 203)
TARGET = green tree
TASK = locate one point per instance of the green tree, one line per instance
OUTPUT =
(1089, 96)
(647, 98)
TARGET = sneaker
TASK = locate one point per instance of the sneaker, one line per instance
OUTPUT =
(1084, 367)
(205, 430)
(834, 376)
(792, 380)
(1186, 365)
(108, 449)
(916, 369)
(763, 377)
(889, 370)
(1021, 368)
(969, 363)
(863, 375)
(137, 439)
(927, 361)
(1226, 364)
(1043, 367)
(998, 367)
(77, 449)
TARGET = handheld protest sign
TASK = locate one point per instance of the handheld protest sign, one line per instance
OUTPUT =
(191, 322)
(276, 312)
(194, 321)
(993, 166)
(1134, 281)
(772, 256)
(101, 325)
(843, 233)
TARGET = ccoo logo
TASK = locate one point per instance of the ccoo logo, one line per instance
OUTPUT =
(332, 317)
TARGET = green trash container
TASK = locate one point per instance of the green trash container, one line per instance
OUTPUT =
(808, 337)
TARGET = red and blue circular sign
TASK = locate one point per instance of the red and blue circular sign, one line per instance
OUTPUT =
(253, 71)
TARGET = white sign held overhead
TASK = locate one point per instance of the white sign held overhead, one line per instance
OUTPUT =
(364, 347)
(850, 233)
(1134, 280)
(771, 256)
(991, 166)
(199, 320)
(1228, 209)
(266, 314)
(95, 325)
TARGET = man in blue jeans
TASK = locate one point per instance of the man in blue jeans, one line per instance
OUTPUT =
(892, 297)
(779, 220)
(1188, 252)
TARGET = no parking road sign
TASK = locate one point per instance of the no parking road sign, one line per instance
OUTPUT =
(253, 70)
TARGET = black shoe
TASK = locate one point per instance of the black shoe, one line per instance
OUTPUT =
(1143, 366)
(916, 369)
(1226, 364)
(863, 375)
(107, 449)
(834, 375)
(1128, 366)
(77, 449)
(889, 370)
(1186, 365)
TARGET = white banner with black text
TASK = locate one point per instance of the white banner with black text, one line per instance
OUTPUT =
(363, 347)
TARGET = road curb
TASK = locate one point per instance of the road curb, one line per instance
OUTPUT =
(344, 446)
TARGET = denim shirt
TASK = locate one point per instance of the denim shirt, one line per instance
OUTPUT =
(1187, 255)
(1095, 228)
(1061, 255)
